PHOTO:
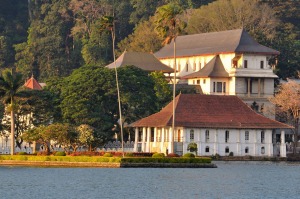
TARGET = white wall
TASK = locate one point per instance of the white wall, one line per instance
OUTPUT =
(236, 142)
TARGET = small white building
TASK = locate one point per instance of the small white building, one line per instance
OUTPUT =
(217, 124)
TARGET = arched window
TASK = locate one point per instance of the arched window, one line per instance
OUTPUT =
(179, 137)
(246, 135)
(262, 150)
(207, 136)
(262, 136)
(206, 149)
(227, 149)
(192, 135)
(226, 136)
(246, 150)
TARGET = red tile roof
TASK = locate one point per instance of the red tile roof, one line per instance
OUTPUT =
(33, 84)
(209, 111)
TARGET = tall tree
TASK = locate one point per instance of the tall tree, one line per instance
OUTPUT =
(10, 85)
(288, 102)
(169, 26)
(258, 19)
(143, 39)
(94, 43)
(13, 28)
(49, 45)
(89, 97)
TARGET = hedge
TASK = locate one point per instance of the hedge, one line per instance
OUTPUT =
(60, 158)
(166, 160)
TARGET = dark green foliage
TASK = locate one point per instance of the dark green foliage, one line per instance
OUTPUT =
(166, 160)
(89, 97)
(215, 157)
(13, 28)
(60, 153)
(189, 155)
(192, 147)
(158, 155)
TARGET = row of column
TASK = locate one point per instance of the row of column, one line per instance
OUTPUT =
(166, 135)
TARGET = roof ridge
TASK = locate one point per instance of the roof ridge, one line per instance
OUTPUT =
(240, 39)
(176, 103)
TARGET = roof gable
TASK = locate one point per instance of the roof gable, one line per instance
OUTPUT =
(214, 68)
(209, 111)
(230, 41)
(33, 84)
(144, 61)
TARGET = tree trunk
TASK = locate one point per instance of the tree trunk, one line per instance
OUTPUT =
(47, 148)
(174, 96)
(12, 130)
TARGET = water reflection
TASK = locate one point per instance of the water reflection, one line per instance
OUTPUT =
(229, 180)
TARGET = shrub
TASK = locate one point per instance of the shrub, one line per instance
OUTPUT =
(173, 155)
(166, 160)
(158, 155)
(107, 155)
(129, 155)
(86, 153)
(60, 153)
(189, 155)
(42, 153)
(142, 154)
(215, 157)
(22, 153)
(192, 147)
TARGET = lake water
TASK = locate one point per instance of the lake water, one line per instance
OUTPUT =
(229, 180)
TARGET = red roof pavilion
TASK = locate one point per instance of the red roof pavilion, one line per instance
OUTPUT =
(32, 83)
(209, 111)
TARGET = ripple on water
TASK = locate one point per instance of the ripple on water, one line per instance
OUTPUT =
(230, 180)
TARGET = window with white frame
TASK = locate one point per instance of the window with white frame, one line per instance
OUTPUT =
(262, 137)
(261, 64)
(226, 136)
(219, 87)
(207, 136)
(245, 63)
(262, 150)
(192, 135)
(207, 149)
(246, 135)
(227, 149)
(246, 150)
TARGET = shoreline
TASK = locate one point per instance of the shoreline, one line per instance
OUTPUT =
(103, 164)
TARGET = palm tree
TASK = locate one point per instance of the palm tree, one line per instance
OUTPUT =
(168, 25)
(10, 84)
(108, 23)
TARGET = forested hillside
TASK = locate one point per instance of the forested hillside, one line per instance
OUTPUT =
(51, 38)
